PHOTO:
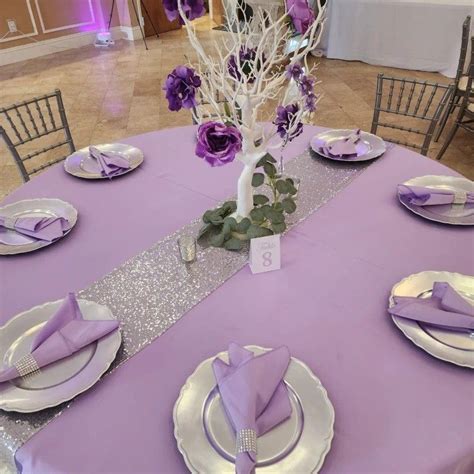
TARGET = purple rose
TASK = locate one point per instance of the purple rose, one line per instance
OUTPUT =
(285, 122)
(192, 9)
(247, 58)
(180, 86)
(310, 102)
(306, 85)
(301, 14)
(294, 71)
(218, 143)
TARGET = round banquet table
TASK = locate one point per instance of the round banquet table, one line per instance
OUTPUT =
(397, 408)
(410, 34)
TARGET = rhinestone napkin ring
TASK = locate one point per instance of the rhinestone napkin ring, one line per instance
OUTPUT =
(246, 441)
(27, 366)
(460, 197)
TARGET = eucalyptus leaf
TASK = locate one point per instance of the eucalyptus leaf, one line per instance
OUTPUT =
(282, 186)
(243, 225)
(204, 230)
(279, 228)
(217, 240)
(255, 231)
(260, 199)
(292, 190)
(257, 179)
(276, 217)
(207, 216)
(216, 220)
(277, 206)
(266, 159)
(231, 222)
(257, 215)
(233, 244)
(229, 207)
(289, 205)
(270, 170)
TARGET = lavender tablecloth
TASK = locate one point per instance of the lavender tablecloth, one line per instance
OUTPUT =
(397, 408)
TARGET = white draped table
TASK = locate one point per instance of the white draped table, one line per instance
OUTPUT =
(410, 34)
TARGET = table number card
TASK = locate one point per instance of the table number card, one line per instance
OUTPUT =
(265, 254)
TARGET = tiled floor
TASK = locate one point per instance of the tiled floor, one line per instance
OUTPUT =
(114, 93)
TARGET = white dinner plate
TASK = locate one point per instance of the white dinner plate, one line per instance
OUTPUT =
(446, 344)
(62, 380)
(299, 444)
(375, 145)
(454, 214)
(12, 242)
(82, 165)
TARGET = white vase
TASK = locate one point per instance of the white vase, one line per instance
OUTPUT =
(244, 184)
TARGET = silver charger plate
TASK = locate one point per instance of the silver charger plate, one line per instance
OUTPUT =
(454, 214)
(375, 145)
(299, 444)
(82, 165)
(445, 344)
(43, 207)
(62, 380)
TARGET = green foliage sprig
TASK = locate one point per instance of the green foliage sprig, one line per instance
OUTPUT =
(266, 218)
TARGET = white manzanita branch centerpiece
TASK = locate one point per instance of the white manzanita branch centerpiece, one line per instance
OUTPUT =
(237, 80)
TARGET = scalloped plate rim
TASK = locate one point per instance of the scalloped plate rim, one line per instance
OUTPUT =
(111, 357)
(186, 385)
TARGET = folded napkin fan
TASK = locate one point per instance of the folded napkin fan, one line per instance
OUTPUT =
(65, 332)
(110, 163)
(426, 196)
(254, 396)
(347, 147)
(445, 307)
(41, 228)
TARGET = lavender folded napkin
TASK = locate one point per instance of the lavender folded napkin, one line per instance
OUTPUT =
(41, 228)
(65, 333)
(254, 396)
(445, 307)
(349, 147)
(426, 196)
(110, 163)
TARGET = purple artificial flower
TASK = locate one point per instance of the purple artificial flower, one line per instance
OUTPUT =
(247, 57)
(306, 85)
(285, 122)
(310, 102)
(180, 86)
(294, 71)
(192, 9)
(218, 143)
(301, 14)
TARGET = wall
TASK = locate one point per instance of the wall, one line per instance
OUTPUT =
(47, 22)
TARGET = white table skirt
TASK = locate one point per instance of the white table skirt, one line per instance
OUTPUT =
(410, 34)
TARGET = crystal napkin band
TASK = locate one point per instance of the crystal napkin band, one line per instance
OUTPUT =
(460, 197)
(27, 366)
(246, 441)
(172, 288)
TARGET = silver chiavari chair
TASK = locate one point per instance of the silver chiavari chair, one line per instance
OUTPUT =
(414, 103)
(465, 117)
(35, 127)
(460, 82)
(204, 110)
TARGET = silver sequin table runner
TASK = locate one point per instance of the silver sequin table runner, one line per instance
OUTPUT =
(153, 290)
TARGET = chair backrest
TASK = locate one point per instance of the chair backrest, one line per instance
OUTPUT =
(467, 104)
(205, 110)
(419, 102)
(27, 125)
(466, 28)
